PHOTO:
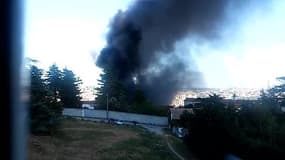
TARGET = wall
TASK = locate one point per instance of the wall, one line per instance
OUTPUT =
(127, 117)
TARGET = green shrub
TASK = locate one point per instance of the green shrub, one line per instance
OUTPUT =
(254, 132)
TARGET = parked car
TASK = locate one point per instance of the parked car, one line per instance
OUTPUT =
(119, 122)
(179, 132)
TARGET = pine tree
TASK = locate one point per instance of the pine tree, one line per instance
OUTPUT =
(47, 97)
(70, 89)
(111, 86)
(43, 117)
(54, 83)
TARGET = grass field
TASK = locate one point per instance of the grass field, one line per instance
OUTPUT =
(83, 140)
(180, 147)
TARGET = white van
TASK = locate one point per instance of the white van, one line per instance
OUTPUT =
(87, 106)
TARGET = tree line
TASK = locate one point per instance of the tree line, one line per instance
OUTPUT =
(50, 92)
(123, 98)
(251, 130)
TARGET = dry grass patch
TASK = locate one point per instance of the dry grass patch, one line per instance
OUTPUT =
(82, 140)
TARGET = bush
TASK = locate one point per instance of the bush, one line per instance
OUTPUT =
(254, 132)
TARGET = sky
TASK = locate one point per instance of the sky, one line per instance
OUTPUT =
(71, 34)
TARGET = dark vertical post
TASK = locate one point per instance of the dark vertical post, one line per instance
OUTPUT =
(107, 110)
(12, 111)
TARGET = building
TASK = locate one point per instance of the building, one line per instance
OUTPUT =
(174, 117)
(191, 102)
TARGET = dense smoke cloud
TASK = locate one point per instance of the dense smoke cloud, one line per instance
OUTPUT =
(141, 43)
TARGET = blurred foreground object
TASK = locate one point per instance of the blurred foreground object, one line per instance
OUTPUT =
(13, 113)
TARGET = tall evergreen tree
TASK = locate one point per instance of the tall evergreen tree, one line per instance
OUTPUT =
(47, 96)
(278, 91)
(42, 114)
(54, 81)
(70, 89)
(111, 87)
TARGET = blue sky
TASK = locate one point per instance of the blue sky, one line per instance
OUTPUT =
(72, 32)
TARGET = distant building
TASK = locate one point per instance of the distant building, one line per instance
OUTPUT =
(227, 93)
(191, 102)
(175, 113)
(174, 116)
(88, 104)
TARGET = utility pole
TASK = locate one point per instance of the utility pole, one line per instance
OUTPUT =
(107, 109)
(268, 84)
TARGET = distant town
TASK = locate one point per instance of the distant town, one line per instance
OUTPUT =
(227, 93)
(88, 94)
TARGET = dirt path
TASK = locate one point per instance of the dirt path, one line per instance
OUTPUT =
(156, 129)
(159, 131)
(172, 149)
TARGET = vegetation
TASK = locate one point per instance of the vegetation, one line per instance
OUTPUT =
(43, 108)
(254, 130)
(70, 91)
(54, 82)
(143, 106)
(48, 97)
(79, 140)
(110, 87)
(64, 86)
(122, 98)
(178, 145)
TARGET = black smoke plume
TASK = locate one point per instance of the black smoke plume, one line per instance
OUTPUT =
(141, 43)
